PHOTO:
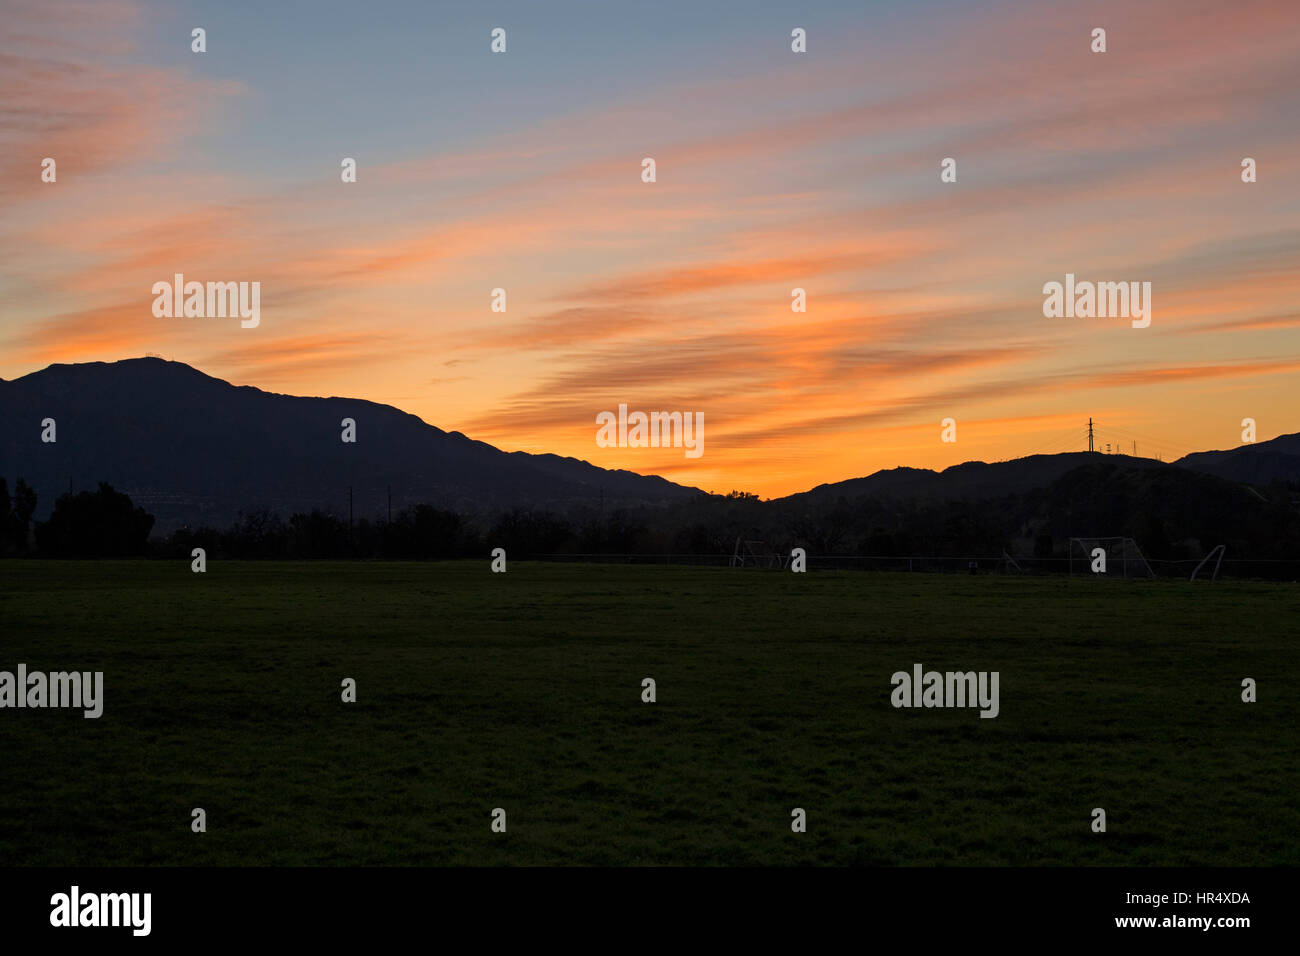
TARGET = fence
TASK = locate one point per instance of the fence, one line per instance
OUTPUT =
(1273, 569)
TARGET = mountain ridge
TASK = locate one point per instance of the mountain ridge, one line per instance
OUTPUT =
(193, 448)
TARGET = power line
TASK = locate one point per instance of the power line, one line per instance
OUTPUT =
(1127, 437)
(1065, 441)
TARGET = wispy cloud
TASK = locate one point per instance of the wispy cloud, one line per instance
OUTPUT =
(775, 172)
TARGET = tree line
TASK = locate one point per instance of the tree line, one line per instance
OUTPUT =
(89, 524)
(1173, 514)
(105, 523)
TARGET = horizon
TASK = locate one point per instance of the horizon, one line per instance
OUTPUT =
(775, 170)
(711, 491)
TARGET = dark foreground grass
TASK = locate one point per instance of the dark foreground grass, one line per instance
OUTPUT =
(523, 691)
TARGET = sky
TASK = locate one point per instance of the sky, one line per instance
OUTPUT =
(775, 170)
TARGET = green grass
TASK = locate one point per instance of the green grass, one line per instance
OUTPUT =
(522, 691)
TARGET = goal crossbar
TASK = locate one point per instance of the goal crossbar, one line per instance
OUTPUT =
(1121, 555)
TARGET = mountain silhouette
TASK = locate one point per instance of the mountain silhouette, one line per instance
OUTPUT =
(1277, 460)
(969, 481)
(1256, 464)
(193, 449)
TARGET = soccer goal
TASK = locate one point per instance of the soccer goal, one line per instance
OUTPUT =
(1119, 557)
(756, 554)
(1217, 557)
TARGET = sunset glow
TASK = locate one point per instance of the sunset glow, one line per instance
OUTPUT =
(775, 171)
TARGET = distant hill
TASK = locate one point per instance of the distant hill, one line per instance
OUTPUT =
(1257, 464)
(1174, 513)
(1162, 507)
(194, 449)
(970, 481)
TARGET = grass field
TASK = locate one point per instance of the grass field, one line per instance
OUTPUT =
(523, 691)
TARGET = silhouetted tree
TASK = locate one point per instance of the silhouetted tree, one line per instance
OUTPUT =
(257, 534)
(318, 535)
(526, 532)
(99, 524)
(6, 516)
(426, 532)
(619, 533)
(23, 506)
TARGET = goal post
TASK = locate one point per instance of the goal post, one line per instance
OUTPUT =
(756, 554)
(1217, 557)
(1121, 556)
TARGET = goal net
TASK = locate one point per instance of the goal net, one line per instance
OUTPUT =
(1121, 558)
(756, 554)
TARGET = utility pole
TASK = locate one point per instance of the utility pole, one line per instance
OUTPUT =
(390, 504)
(1089, 434)
(349, 512)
